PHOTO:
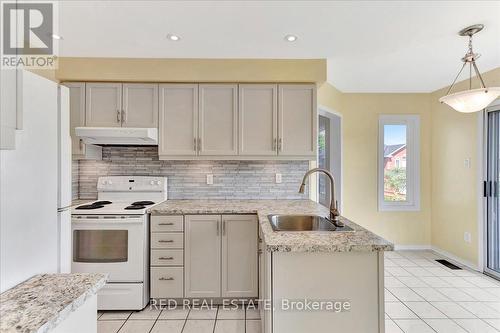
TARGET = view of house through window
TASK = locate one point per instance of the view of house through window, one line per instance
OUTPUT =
(395, 163)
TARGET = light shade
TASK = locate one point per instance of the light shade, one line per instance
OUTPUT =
(471, 100)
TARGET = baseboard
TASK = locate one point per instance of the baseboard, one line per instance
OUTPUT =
(403, 247)
(455, 259)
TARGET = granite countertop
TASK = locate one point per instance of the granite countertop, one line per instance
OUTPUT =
(43, 301)
(309, 241)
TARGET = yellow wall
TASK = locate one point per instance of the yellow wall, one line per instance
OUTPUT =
(191, 70)
(455, 187)
(360, 139)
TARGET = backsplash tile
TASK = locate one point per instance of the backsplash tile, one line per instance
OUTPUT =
(187, 179)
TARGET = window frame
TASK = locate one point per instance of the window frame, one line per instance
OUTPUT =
(412, 202)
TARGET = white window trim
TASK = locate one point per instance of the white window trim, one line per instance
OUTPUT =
(412, 123)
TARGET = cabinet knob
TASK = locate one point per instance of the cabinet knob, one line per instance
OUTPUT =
(166, 258)
(118, 116)
(166, 223)
(166, 241)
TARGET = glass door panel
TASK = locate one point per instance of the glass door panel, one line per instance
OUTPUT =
(493, 195)
(100, 246)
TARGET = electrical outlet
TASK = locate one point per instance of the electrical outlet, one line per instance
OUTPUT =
(278, 178)
(467, 163)
(210, 179)
(467, 237)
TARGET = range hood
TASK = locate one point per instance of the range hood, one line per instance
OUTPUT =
(117, 135)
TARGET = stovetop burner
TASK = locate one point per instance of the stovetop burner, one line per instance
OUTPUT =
(102, 202)
(142, 203)
(91, 206)
(132, 207)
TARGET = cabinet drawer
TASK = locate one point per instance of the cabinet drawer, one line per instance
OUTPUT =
(167, 257)
(167, 240)
(167, 282)
(167, 223)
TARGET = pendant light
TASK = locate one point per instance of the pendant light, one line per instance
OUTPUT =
(471, 100)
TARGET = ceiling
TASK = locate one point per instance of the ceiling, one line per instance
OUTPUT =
(371, 46)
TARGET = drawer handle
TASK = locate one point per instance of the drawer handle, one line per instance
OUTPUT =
(166, 241)
(166, 258)
(169, 223)
(166, 279)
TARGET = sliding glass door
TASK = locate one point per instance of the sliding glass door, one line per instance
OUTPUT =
(492, 193)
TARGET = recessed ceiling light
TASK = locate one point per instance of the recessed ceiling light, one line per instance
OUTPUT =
(54, 36)
(174, 38)
(290, 38)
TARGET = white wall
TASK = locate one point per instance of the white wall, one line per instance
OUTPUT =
(28, 188)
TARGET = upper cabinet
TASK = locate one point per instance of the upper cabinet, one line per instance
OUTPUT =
(178, 120)
(103, 105)
(121, 105)
(297, 120)
(218, 119)
(77, 119)
(258, 113)
(140, 105)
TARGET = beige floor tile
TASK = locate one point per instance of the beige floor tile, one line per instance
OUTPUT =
(453, 310)
(137, 326)
(230, 313)
(252, 313)
(109, 326)
(414, 326)
(391, 327)
(475, 326)
(445, 326)
(148, 313)
(494, 323)
(397, 310)
(253, 326)
(203, 313)
(424, 310)
(177, 313)
(230, 326)
(168, 326)
(199, 326)
(115, 315)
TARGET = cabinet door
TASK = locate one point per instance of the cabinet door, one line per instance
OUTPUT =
(239, 256)
(258, 113)
(140, 105)
(218, 119)
(297, 121)
(202, 255)
(76, 114)
(103, 104)
(178, 119)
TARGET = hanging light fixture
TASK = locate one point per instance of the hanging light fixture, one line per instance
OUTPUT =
(471, 100)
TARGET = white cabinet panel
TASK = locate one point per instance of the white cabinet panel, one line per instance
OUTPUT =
(239, 256)
(140, 105)
(258, 113)
(218, 119)
(178, 119)
(297, 119)
(202, 256)
(103, 104)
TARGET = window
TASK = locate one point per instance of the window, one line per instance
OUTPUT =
(324, 160)
(399, 163)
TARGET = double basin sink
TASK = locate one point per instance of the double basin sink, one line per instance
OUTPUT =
(304, 223)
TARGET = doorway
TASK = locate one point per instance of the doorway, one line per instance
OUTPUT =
(492, 192)
(329, 155)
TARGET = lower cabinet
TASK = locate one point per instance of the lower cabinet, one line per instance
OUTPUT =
(221, 256)
(204, 256)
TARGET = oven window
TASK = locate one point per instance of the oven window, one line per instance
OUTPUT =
(100, 245)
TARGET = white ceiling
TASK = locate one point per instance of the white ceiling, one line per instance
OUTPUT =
(371, 46)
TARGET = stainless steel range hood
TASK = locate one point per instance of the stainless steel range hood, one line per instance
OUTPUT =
(117, 135)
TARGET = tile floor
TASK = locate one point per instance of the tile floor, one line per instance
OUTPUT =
(196, 320)
(421, 296)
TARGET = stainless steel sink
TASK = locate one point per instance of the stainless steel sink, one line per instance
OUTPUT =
(303, 223)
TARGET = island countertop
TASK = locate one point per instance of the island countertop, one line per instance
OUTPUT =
(306, 241)
(40, 303)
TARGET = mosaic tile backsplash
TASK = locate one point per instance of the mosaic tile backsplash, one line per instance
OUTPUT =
(187, 179)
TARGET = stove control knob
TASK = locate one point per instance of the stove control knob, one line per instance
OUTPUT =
(152, 182)
(158, 182)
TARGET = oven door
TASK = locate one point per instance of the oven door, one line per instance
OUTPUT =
(109, 244)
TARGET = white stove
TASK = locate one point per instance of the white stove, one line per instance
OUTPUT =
(111, 235)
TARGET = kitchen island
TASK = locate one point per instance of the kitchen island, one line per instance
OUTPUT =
(309, 281)
(59, 303)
